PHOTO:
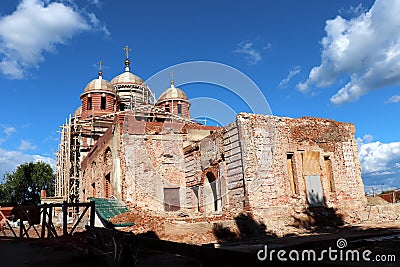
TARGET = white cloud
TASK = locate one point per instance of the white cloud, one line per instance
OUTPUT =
(252, 55)
(35, 27)
(9, 160)
(96, 3)
(394, 99)
(368, 138)
(267, 46)
(98, 25)
(8, 130)
(363, 49)
(353, 10)
(296, 70)
(26, 145)
(377, 156)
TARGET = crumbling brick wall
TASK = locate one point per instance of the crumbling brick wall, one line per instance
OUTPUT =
(99, 163)
(153, 160)
(220, 154)
(266, 142)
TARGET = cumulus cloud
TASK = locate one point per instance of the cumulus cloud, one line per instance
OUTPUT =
(26, 145)
(35, 27)
(380, 163)
(363, 50)
(9, 160)
(296, 70)
(251, 54)
(377, 156)
(394, 99)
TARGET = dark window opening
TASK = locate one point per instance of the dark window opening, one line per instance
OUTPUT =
(103, 103)
(167, 108)
(89, 103)
(94, 190)
(179, 106)
(213, 183)
(196, 193)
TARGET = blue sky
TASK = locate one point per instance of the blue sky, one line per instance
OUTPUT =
(331, 59)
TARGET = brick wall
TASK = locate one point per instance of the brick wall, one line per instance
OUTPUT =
(266, 142)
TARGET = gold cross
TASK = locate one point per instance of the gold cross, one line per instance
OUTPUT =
(127, 49)
(101, 65)
(172, 77)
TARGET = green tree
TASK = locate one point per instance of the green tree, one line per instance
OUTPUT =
(23, 186)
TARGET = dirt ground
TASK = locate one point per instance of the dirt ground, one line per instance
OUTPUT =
(382, 239)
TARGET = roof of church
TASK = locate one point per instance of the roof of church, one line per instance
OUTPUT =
(127, 78)
(172, 93)
(99, 84)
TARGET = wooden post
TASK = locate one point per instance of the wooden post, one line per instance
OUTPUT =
(44, 213)
(92, 213)
(21, 225)
(65, 221)
(49, 233)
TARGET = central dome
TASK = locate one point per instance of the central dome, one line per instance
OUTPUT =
(131, 89)
(127, 78)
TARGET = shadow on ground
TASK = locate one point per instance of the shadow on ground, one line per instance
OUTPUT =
(247, 227)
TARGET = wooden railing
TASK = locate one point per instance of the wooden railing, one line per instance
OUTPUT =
(29, 215)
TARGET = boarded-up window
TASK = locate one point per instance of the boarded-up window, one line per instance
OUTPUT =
(311, 163)
(171, 199)
(107, 189)
(328, 168)
(293, 182)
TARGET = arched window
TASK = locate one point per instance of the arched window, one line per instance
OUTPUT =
(103, 102)
(213, 184)
(179, 106)
(89, 103)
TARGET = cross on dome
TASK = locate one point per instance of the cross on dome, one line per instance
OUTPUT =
(100, 69)
(127, 61)
(172, 79)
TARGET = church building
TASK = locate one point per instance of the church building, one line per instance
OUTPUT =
(124, 142)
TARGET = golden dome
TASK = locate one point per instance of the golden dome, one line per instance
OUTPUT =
(99, 85)
(127, 78)
(172, 93)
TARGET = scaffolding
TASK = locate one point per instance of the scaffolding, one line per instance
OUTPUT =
(79, 135)
(68, 162)
(77, 138)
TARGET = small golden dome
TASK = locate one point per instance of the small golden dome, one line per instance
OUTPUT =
(172, 93)
(99, 85)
